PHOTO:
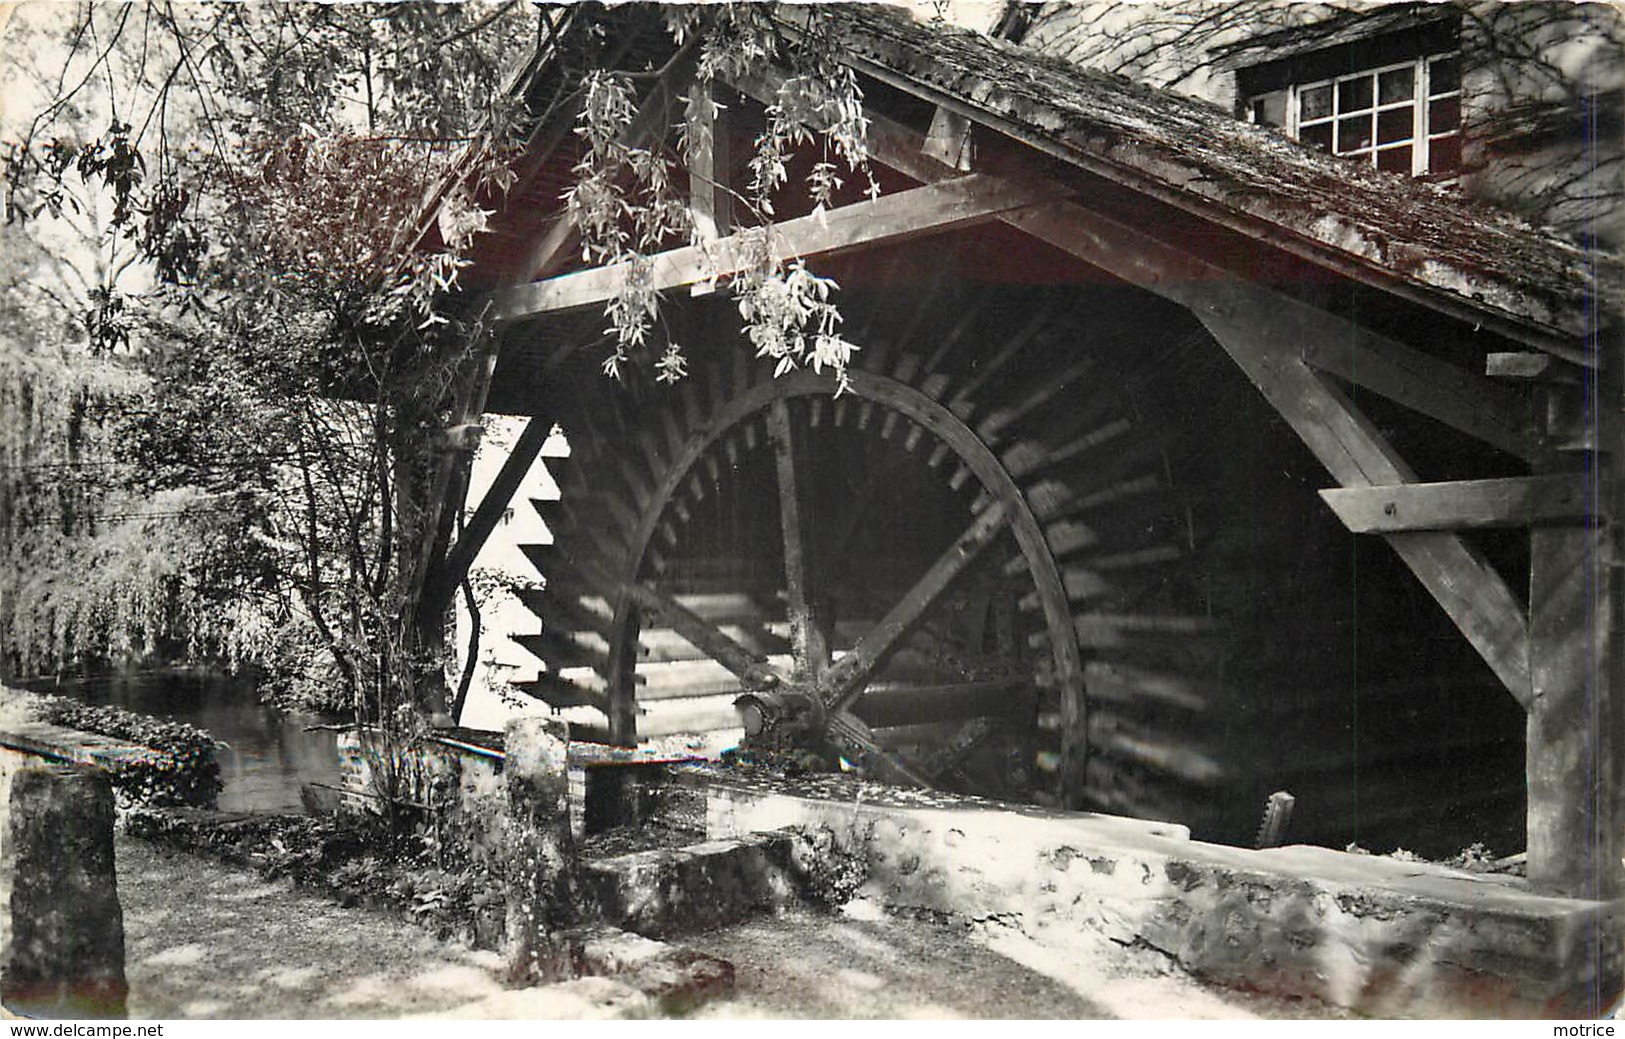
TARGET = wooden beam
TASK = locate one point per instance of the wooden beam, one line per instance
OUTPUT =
(1464, 504)
(806, 635)
(445, 578)
(844, 682)
(890, 218)
(949, 140)
(1575, 822)
(1262, 341)
(1497, 414)
(709, 203)
(1522, 365)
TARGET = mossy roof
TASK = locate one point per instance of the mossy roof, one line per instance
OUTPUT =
(1424, 240)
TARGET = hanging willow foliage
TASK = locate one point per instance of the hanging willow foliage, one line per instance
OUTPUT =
(238, 448)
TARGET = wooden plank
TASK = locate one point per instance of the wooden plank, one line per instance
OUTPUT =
(560, 693)
(844, 682)
(1521, 365)
(1186, 761)
(561, 650)
(709, 203)
(1120, 683)
(970, 199)
(662, 645)
(1463, 504)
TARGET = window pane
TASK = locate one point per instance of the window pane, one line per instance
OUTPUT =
(1315, 102)
(1444, 115)
(1354, 94)
(1396, 85)
(1444, 75)
(1319, 136)
(1353, 134)
(1395, 124)
(1444, 155)
(1396, 159)
(1270, 109)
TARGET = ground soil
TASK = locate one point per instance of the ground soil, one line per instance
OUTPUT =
(206, 940)
(861, 962)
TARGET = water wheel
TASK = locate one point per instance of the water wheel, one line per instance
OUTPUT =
(966, 571)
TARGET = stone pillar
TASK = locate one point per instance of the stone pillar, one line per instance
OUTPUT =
(64, 949)
(542, 887)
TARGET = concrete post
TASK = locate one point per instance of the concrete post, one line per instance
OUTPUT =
(64, 948)
(542, 888)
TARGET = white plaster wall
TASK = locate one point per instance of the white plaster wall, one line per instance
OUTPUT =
(501, 660)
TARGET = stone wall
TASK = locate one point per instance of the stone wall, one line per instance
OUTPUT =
(1378, 935)
(457, 776)
(459, 783)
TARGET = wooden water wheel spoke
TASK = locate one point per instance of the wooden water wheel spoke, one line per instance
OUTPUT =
(749, 667)
(887, 704)
(745, 495)
(846, 680)
(806, 637)
(845, 730)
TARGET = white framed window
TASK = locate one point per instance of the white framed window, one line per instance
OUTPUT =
(1404, 116)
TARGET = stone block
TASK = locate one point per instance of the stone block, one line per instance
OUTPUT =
(671, 890)
(677, 979)
(615, 795)
(63, 953)
(542, 886)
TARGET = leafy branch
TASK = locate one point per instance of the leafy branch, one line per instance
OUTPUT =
(625, 209)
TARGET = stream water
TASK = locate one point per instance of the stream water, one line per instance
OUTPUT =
(265, 755)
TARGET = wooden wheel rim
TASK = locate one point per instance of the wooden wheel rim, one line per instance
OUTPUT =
(948, 429)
